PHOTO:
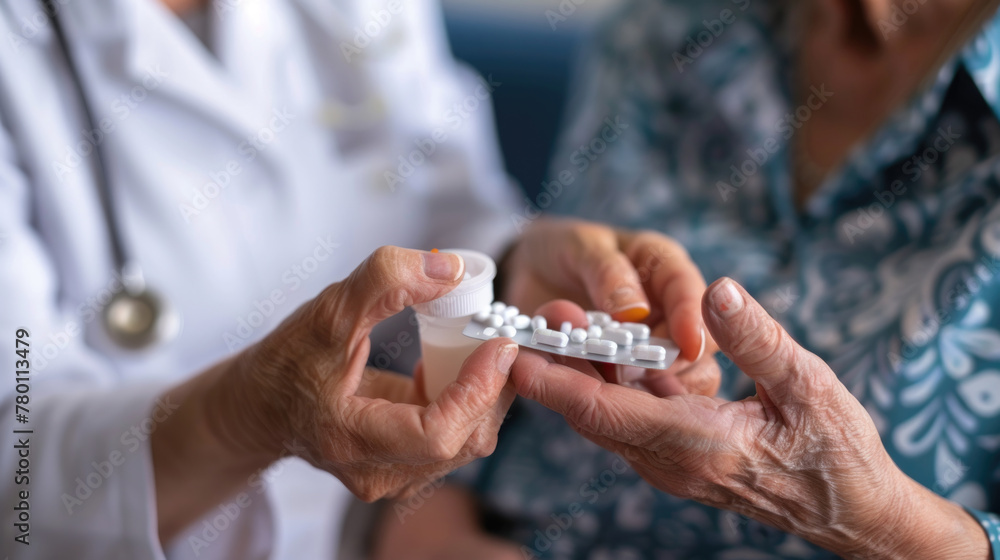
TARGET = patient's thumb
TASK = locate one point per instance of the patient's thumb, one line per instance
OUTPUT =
(758, 345)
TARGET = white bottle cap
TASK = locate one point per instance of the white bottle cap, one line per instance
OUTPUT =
(474, 294)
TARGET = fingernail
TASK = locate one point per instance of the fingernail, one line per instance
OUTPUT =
(631, 314)
(726, 300)
(443, 266)
(506, 356)
(703, 339)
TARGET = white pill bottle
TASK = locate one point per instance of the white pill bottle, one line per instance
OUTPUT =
(442, 321)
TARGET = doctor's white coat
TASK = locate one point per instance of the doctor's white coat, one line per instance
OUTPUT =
(247, 176)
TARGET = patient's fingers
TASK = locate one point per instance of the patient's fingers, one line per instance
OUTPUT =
(600, 408)
(558, 311)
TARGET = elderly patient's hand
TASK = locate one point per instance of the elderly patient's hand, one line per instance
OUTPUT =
(305, 389)
(802, 455)
(633, 276)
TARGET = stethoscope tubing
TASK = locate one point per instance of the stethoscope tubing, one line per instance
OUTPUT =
(137, 317)
(102, 179)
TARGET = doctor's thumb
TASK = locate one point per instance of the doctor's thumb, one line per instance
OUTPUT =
(392, 279)
(760, 347)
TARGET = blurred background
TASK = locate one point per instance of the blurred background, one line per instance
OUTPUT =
(515, 41)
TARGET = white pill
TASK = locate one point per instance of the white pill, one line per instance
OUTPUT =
(550, 338)
(594, 331)
(621, 337)
(613, 325)
(490, 332)
(494, 321)
(482, 316)
(578, 335)
(510, 312)
(508, 331)
(638, 330)
(498, 307)
(602, 347)
(599, 318)
(649, 353)
(539, 322)
(566, 328)
(521, 322)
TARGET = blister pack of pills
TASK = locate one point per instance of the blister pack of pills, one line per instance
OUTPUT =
(604, 340)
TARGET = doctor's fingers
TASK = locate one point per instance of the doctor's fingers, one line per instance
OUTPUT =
(481, 443)
(461, 423)
(388, 281)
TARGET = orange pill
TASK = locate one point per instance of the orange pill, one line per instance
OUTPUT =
(631, 315)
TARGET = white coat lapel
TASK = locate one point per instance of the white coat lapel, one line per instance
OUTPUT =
(158, 42)
(250, 36)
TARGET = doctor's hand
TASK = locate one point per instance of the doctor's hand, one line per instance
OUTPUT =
(802, 455)
(635, 276)
(304, 390)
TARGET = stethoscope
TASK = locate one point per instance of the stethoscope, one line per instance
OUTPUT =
(136, 317)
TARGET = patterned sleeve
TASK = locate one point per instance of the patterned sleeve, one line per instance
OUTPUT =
(991, 524)
(598, 83)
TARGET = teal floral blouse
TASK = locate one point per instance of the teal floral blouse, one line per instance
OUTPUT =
(889, 274)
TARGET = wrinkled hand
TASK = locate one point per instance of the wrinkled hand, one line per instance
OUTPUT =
(802, 455)
(305, 389)
(633, 276)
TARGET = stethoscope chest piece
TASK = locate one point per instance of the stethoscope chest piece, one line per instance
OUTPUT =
(137, 318)
(137, 321)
